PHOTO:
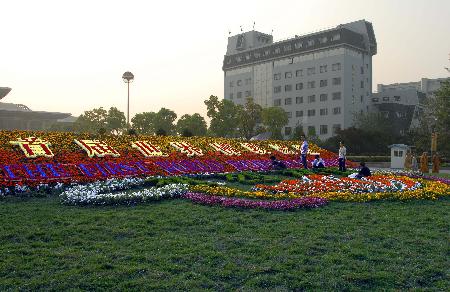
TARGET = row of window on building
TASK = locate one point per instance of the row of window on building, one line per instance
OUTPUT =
(239, 82)
(312, 112)
(311, 130)
(309, 71)
(247, 93)
(310, 85)
(287, 47)
(310, 99)
(385, 98)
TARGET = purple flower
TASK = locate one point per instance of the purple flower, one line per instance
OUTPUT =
(306, 202)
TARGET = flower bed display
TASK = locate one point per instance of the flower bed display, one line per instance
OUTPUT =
(307, 202)
(33, 158)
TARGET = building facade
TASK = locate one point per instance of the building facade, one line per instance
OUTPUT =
(402, 103)
(321, 80)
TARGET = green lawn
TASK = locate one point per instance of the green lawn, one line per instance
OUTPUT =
(175, 244)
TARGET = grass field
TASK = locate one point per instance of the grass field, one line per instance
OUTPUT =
(177, 245)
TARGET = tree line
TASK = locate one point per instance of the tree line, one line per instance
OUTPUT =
(372, 132)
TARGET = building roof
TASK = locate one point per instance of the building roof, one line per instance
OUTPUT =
(403, 146)
(4, 91)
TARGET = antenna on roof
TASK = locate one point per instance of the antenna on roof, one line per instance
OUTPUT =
(241, 28)
(229, 32)
(271, 33)
(253, 25)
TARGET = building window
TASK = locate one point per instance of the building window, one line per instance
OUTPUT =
(289, 114)
(311, 71)
(310, 43)
(323, 97)
(336, 37)
(362, 97)
(362, 84)
(323, 83)
(287, 131)
(248, 81)
(288, 87)
(323, 69)
(336, 111)
(231, 83)
(299, 114)
(277, 89)
(323, 129)
(336, 128)
(336, 67)
(299, 86)
(311, 112)
(323, 111)
(277, 50)
(337, 81)
(311, 130)
(231, 95)
(239, 95)
(248, 93)
(288, 101)
(299, 73)
(396, 98)
(311, 84)
(287, 48)
(266, 53)
(385, 98)
(256, 55)
(311, 98)
(298, 45)
(277, 102)
(277, 76)
(398, 153)
(362, 70)
(337, 95)
(299, 99)
(239, 82)
(375, 99)
(288, 75)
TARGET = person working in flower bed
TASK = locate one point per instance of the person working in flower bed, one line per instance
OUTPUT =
(364, 171)
(318, 162)
(277, 164)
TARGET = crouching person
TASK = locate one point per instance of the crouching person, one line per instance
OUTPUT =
(318, 162)
(277, 164)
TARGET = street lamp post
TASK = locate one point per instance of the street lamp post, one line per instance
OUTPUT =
(128, 77)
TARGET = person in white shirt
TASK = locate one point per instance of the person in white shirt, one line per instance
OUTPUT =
(304, 152)
(318, 162)
(342, 156)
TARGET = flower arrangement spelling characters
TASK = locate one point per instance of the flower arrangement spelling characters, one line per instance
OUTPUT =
(187, 148)
(97, 148)
(282, 149)
(148, 149)
(34, 147)
(254, 148)
(225, 148)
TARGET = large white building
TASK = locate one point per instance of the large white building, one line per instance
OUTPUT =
(320, 79)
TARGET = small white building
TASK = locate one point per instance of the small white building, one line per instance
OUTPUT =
(398, 155)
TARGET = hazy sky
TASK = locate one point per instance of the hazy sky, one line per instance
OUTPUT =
(69, 56)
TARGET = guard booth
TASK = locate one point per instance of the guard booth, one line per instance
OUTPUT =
(398, 155)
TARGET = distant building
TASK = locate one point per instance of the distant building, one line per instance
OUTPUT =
(402, 102)
(320, 79)
(425, 85)
(20, 117)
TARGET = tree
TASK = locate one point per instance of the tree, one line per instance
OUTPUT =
(164, 121)
(143, 123)
(224, 117)
(92, 121)
(115, 121)
(191, 125)
(249, 116)
(435, 117)
(274, 118)
(298, 132)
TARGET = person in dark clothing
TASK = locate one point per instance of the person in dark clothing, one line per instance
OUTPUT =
(276, 164)
(318, 162)
(364, 171)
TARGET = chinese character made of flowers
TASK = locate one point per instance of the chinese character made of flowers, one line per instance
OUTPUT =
(34, 147)
(225, 148)
(281, 148)
(97, 148)
(187, 148)
(148, 149)
(254, 148)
